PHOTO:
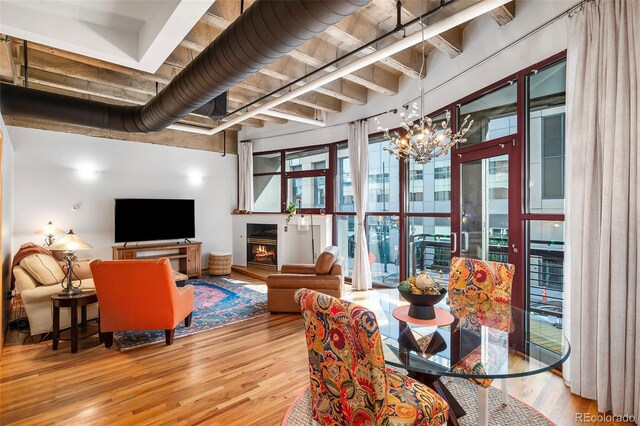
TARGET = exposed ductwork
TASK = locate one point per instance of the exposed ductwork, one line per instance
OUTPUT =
(215, 108)
(262, 34)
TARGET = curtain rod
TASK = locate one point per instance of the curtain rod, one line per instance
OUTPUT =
(477, 64)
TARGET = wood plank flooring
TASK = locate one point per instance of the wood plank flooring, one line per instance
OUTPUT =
(243, 374)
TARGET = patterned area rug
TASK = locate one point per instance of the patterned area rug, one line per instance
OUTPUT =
(515, 413)
(218, 302)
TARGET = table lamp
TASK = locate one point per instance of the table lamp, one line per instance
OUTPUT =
(69, 244)
(50, 230)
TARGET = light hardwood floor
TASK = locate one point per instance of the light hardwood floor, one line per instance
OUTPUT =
(243, 374)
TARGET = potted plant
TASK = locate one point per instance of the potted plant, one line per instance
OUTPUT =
(291, 210)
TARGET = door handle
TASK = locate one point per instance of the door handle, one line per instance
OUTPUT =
(465, 242)
(455, 242)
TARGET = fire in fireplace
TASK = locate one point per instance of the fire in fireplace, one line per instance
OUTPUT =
(262, 245)
(263, 254)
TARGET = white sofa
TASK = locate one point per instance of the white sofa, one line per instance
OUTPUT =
(37, 285)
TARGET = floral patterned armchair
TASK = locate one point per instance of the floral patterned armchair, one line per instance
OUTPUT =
(480, 295)
(349, 382)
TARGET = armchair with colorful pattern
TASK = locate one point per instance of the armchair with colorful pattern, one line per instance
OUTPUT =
(480, 296)
(349, 382)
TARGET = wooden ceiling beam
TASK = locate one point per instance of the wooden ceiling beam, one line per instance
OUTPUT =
(271, 119)
(79, 85)
(204, 32)
(39, 60)
(449, 42)
(7, 71)
(504, 14)
(356, 30)
(183, 55)
(239, 97)
(163, 75)
(165, 137)
(318, 52)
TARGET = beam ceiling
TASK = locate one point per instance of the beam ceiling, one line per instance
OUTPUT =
(55, 70)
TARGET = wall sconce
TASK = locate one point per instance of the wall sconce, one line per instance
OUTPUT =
(88, 174)
(196, 180)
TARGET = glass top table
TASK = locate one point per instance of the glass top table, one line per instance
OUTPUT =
(486, 340)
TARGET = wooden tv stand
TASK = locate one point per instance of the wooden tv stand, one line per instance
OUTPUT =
(189, 255)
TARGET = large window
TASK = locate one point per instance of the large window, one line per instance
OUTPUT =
(545, 202)
(382, 223)
(306, 172)
(412, 208)
(429, 245)
(384, 243)
(344, 189)
(545, 154)
(267, 170)
(384, 178)
(430, 183)
(493, 114)
(301, 176)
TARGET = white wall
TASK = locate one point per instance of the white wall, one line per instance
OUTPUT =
(48, 184)
(482, 38)
(7, 216)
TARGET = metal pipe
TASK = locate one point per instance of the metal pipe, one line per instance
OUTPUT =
(343, 57)
(265, 32)
(437, 28)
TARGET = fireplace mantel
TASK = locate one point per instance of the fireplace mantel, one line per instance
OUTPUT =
(293, 246)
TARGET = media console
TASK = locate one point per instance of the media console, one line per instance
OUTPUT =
(189, 255)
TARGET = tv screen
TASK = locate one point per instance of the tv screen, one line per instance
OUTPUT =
(144, 219)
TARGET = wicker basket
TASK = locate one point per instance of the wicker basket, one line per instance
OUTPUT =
(219, 263)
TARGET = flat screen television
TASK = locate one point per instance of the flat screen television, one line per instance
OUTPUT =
(146, 219)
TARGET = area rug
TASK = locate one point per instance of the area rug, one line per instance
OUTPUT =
(217, 302)
(515, 413)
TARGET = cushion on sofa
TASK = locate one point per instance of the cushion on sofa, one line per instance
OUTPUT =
(42, 268)
(326, 259)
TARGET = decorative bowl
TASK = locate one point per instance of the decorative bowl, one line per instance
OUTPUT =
(421, 305)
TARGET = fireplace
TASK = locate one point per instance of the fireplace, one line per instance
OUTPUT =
(262, 246)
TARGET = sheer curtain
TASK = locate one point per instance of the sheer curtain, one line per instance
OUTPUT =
(603, 206)
(359, 165)
(245, 176)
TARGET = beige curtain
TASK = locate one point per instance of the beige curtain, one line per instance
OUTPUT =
(359, 167)
(245, 176)
(603, 206)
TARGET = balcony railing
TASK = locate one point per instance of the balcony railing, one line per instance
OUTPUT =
(545, 272)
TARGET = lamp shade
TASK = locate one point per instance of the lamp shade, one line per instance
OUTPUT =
(50, 229)
(70, 242)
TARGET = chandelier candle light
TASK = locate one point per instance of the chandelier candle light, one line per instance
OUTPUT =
(423, 140)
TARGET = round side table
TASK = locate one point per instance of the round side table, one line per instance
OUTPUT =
(73, 303)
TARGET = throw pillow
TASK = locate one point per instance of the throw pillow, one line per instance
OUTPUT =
(43, 269)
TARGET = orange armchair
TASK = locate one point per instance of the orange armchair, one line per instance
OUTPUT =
(140, 295)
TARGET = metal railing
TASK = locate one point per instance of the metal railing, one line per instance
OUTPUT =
(545, 276)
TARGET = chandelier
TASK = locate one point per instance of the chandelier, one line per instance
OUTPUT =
(423, 140)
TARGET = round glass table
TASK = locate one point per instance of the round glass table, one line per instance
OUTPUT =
(485, 341)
